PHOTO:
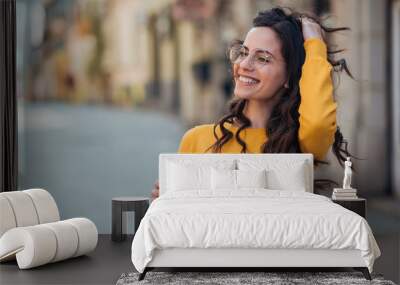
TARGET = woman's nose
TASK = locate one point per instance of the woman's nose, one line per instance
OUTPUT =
(247, 63)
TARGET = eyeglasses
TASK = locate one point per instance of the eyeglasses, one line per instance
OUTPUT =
(238, 52)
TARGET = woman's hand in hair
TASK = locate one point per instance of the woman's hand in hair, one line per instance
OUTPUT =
(311, 29)
(156, 191)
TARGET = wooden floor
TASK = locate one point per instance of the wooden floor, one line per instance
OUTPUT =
(110, 259)
(103, 266)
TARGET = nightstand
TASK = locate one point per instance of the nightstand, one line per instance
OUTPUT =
(126, 204)
(358, 205)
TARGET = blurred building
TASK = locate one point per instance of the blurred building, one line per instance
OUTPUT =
(127, 56)
(369, 106)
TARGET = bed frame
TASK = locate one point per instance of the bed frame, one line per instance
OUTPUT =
(242, 259)
(248, 259)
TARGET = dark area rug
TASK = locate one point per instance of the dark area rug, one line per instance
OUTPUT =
(229, 278)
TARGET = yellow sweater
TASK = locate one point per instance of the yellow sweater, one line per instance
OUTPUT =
(317, 113)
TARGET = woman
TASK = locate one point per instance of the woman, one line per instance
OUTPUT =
(283, 96)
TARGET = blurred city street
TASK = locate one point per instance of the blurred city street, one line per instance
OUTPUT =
(85, 155)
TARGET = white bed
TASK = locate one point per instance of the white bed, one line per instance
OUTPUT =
(268, 218)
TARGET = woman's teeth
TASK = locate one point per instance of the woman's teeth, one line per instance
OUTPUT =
(247, 80)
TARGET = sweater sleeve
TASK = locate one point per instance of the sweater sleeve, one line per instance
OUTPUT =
(187, 144)
(317, 109)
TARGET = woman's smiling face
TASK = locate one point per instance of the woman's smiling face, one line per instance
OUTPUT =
(254, 80)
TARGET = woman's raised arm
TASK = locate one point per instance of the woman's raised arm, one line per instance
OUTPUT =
(317, 108)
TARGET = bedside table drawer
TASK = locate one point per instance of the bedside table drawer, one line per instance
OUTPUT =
(357, 206)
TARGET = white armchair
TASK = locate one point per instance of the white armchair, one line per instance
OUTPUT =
(31, 230)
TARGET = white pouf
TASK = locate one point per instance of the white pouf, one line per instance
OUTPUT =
(31, 232)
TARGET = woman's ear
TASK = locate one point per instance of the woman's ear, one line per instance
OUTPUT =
(286, 85)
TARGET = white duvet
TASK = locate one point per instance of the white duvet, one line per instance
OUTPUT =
(253, 218)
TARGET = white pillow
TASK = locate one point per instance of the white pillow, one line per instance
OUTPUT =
(188, 175)
(181, 177)
(237, 179)
(223, 179)
(251, 178)
(293, 179)
(281, 175)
